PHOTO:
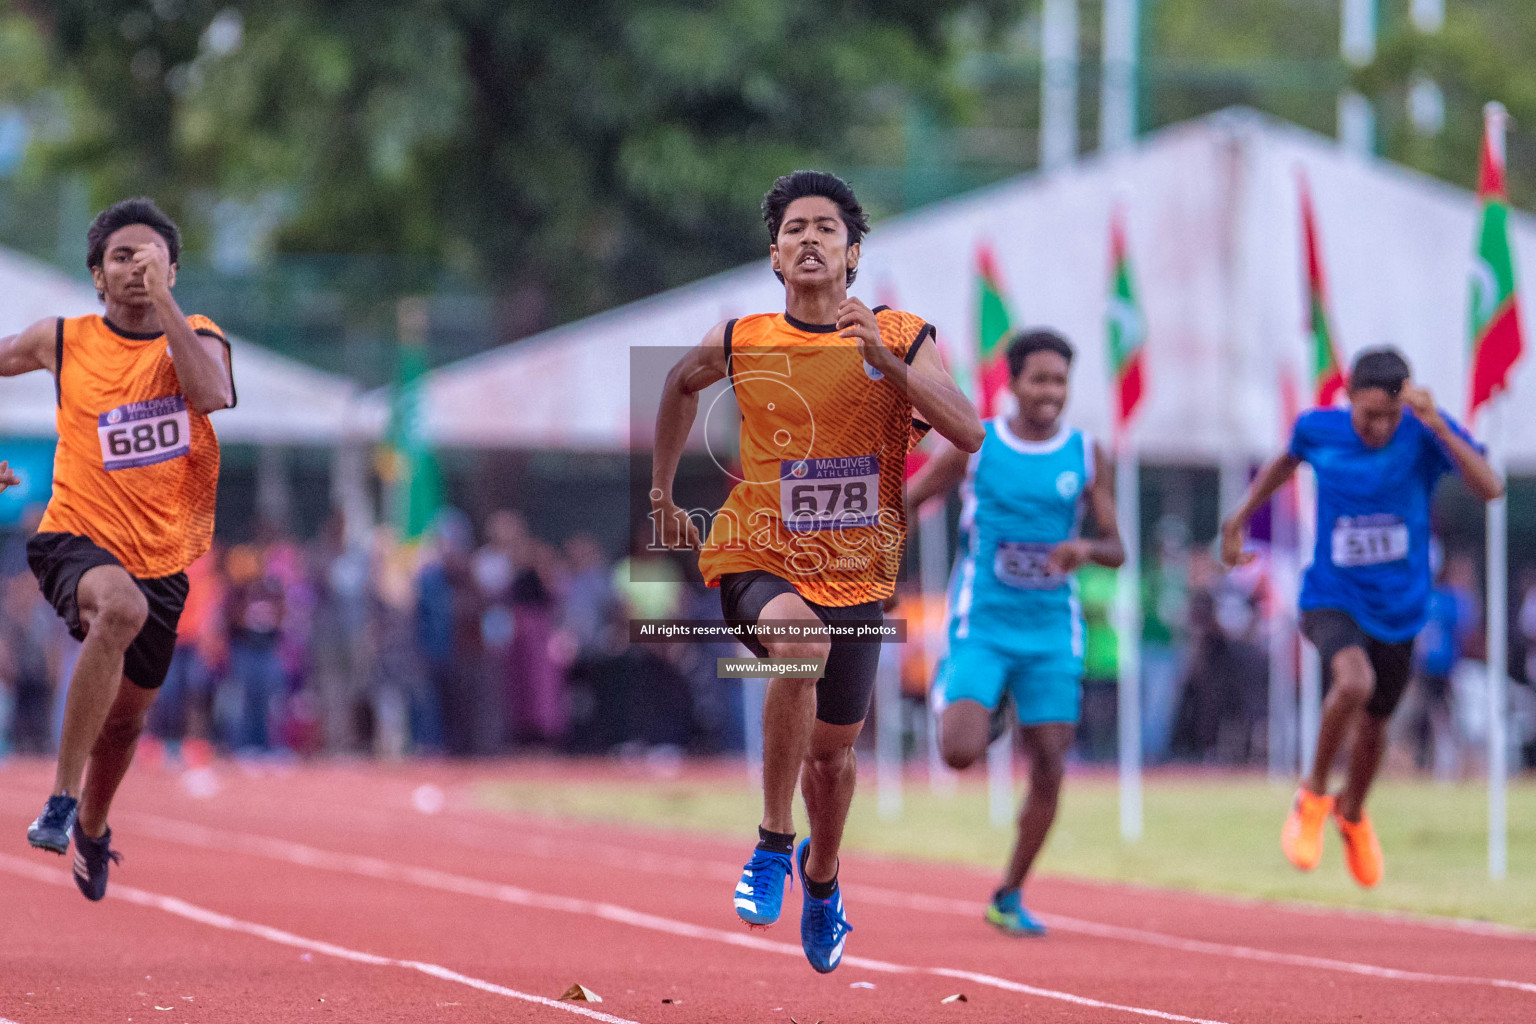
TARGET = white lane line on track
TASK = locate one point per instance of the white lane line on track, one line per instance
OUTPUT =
(544, 847)
(909, 901)
(682, 867)
(192, 912)
(382, 870)
(1461, 925)
(687, 868)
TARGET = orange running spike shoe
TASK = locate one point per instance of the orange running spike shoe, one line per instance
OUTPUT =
(1361, 850)
(1302, 837)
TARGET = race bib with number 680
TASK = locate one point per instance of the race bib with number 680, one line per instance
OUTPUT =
(144, 433)
(829, 494)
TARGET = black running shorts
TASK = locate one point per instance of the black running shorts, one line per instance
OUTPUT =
(58, 560)
(1332, 631)
(843, 693)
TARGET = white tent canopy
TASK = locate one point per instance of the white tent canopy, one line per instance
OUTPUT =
(282, 401)
(1214, 227)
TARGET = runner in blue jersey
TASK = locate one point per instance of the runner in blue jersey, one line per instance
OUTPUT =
(1366, 594)
(1014, 621)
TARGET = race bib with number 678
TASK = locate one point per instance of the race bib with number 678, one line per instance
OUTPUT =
(829, 494)
(144, 433)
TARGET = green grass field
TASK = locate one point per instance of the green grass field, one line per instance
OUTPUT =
(1211, 834)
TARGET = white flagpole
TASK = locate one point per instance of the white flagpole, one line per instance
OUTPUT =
(1494, 119)
(753, 693)
(1000, 779)
(1498, 654)
(933, 558)
(1282, 641)
(888, 755)
(1311, 713)
(1128, 635)
(1117, 93)
(1058, 84)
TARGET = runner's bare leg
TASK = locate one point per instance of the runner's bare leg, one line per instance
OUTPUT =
(112, 755)
(789, 713)
(113, 610)
(827, 783)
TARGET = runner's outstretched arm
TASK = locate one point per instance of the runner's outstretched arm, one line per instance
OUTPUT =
(1475, 470)
(935, 397)
(7, 477)
(1270, 479)
(30, 350)
(202, 364)
(701, 367)
(938, 477)
(1107, 548)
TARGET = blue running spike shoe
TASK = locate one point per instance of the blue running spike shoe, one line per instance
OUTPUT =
(51, 829)
(822, 924)
(92, 856)
(760, 893)
(1006, 913)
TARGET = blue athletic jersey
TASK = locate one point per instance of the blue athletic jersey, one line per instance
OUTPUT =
(1373, 504)
(1021, 499)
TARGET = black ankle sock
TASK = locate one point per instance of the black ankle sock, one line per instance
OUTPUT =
(821, 890)
(775, 842)
(814, 889)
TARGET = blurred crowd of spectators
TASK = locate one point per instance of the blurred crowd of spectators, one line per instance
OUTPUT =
(491, 640)
(447, 646)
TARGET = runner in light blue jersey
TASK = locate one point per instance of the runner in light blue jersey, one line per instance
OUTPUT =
(1014, 622)
(1366, 594)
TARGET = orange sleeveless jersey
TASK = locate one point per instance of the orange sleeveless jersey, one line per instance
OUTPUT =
(136, 468)
(823, 450)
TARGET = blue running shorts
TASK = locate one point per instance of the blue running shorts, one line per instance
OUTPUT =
(1046, 686)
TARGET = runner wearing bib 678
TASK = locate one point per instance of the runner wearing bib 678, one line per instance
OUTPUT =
(134, 478)
(832, 394)
(1015, 628)
(1366, 594)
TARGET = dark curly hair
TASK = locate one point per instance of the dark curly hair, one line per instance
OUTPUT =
(1383, 368)
(802, 184)
(1027, 343)
(120, 215)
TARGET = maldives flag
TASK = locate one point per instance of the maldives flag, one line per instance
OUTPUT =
(993, 325)
(1327, 373)
(1496, 338)
(1127, 328)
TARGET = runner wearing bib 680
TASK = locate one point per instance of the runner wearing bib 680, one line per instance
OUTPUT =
(831, 395)
(134, 478)
(1366, 594)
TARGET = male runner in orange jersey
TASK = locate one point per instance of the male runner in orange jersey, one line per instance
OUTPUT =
(831, 394)
(133, 498)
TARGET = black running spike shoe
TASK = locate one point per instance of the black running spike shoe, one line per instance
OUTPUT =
(51, 829)
(92, 858)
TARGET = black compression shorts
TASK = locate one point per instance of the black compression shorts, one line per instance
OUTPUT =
(843, 693)
(1332, 631)
(58, 560)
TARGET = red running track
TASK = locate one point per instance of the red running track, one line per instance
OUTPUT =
(322, 894)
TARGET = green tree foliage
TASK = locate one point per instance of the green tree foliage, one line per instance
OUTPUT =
(571, 154)
(1482, 54)
(1281, 56)
(565, 157)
